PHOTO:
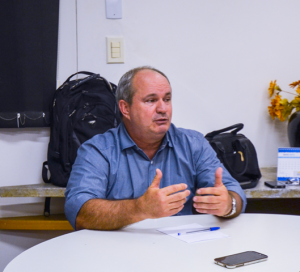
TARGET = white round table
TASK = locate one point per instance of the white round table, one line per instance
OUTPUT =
(140, 247)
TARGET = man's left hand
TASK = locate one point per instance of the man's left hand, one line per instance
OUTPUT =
(214, 200)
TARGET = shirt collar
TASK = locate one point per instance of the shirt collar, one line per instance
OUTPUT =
(166, 141)
(125, 139)
(127, 142)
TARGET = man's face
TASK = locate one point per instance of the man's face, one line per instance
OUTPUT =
(151, 110)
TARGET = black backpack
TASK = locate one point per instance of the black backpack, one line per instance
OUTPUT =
(81, 109)
(237, 153)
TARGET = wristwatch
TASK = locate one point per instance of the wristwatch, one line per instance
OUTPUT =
(233, 210)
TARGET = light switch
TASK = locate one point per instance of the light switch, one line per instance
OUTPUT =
(115, 49)
(115, 55)
(115, 44)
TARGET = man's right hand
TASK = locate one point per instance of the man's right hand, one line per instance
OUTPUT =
(156, 203)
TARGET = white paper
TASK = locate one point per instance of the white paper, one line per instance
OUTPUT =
(193, 237)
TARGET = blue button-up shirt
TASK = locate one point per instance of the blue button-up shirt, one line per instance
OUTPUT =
(111, 166)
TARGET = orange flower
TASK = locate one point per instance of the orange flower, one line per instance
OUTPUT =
(276, 108)
(295, 84)
(272, 87)
(272, 112)
(282, 108)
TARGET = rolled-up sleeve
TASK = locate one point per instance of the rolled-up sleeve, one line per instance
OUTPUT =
(206, 162)
(88, 180)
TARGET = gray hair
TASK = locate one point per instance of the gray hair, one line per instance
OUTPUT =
(125, 90)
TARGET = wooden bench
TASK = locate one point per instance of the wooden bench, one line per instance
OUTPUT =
(39, 222)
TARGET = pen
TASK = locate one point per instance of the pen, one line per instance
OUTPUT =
(193, 231)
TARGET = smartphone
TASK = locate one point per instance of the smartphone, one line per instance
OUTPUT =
(274, 184)
(241, 259)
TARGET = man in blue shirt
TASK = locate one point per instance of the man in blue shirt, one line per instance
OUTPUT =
(147, 168)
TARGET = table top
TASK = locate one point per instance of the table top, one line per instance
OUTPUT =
(140, 247)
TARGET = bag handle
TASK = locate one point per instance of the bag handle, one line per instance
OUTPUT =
(83, 81)
(90, 76)
(111, 86)
(81, 72)
(240, 144)
(236, 127)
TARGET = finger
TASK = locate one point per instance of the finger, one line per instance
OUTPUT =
(177, 204)
(206, 199)
(156, 180)
(218, 184)
(174, 188)
(207, 206)
(213, 212)
(218, 177)
(178, 196)
(209, 191)
(176, 210)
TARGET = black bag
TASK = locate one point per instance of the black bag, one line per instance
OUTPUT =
(81, 109)
(237, 154)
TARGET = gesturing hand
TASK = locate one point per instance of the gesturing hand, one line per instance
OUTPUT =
(214, 200)
(156, 203)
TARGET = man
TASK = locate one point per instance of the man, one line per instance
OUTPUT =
(147, 168)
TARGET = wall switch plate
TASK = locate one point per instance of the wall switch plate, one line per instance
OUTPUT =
(113, 9)
(115, 49)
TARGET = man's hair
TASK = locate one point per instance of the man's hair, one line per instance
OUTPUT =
(125, 90)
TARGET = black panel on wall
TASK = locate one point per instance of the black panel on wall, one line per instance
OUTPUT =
(28, 60)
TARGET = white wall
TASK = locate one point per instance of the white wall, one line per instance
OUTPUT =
(219, 55)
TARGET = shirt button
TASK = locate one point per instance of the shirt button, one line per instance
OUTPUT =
(151, 162)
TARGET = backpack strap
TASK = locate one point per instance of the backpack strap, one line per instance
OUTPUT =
(46, 180)
(45, 172)
(236, 127)
(47, 207)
